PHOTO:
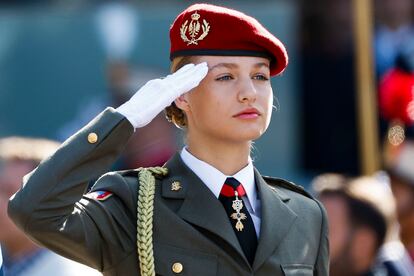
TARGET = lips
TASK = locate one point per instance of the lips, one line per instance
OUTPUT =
(248, 113)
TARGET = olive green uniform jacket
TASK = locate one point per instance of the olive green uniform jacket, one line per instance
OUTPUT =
(190, 225)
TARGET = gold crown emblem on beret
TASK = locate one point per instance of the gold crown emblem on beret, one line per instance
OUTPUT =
(195, 16)
(193, 30)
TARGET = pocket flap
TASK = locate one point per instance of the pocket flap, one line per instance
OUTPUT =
(297, 269)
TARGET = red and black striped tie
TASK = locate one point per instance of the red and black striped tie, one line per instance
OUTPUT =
(231, 197)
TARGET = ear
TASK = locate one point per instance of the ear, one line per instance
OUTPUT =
(182, 102)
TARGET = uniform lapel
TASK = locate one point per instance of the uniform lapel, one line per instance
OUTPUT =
(200, 206)
(277, 218)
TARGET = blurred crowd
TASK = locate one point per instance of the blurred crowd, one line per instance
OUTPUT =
(371, 218)
(21, 256)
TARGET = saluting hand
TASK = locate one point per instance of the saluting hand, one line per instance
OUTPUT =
(157, 94)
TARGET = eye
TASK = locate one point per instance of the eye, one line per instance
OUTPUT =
(261, 77)
(224, 78)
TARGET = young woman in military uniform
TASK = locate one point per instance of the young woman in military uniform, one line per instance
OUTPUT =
(207, 211)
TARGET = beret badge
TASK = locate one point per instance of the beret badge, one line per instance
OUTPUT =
(193, 30)
(234, 34)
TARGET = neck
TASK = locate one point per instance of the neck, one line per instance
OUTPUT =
(227, 157)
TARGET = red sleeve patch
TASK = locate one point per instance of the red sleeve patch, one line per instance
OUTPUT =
(99, 195)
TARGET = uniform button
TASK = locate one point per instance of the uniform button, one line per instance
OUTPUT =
(177, 267)
(92, 138)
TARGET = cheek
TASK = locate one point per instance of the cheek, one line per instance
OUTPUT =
(208, 99)
(200, 103)
(270, 103)
(267, 103)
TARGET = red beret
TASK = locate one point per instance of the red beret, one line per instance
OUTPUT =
(204, 29)
(396, 96)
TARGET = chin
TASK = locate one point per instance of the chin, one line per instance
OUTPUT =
(249, 134)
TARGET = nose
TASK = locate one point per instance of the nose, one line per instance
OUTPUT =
(247, 90)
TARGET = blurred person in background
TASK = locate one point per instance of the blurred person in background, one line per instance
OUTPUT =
(19, 156)
(396, 101)
(394, 26)
(156, 142)
(117, 26)
(361, 216)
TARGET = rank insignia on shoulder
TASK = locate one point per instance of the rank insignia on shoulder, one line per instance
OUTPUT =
(99, 195)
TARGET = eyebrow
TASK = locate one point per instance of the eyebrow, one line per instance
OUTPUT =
(234, 65)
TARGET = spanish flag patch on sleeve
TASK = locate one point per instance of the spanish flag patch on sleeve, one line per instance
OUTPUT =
(99, 195)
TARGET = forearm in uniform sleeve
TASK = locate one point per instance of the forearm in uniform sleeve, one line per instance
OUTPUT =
(50, 197)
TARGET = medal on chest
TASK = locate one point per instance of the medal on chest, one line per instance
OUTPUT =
(239, 216)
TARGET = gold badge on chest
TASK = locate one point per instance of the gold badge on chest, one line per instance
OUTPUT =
(176, 186)
(193, 30)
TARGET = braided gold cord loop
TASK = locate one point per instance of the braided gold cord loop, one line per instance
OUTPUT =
(145, 213)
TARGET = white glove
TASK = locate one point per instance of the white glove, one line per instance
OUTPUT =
(157, 94)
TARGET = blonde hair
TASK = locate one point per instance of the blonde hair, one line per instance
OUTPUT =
(26, 149)
(172, 112)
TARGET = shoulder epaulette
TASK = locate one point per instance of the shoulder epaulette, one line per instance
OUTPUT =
(156, 171)
(287, 185)
(129, 173)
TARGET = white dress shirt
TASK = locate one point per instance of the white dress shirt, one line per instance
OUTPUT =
(214, 180)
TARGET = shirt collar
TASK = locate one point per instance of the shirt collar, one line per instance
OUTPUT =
(214, 179)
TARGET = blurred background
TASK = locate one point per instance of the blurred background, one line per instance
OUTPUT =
(63, 62)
